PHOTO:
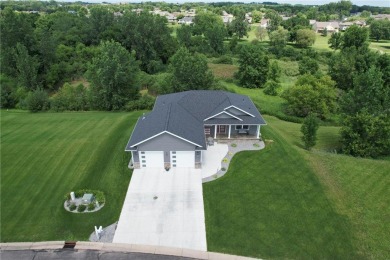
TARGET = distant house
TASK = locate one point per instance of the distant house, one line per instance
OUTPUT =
(346, 25)
(118, 14)
(226, 17)
(312, 22)
(137, 11)
(381, 16)
(331, 27)
(182, 125)
(264, 23)
(188, 20)
(248, 17)
(171, 18)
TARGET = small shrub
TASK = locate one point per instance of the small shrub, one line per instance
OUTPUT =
(72, 207)
(91, 206)
(223, 169)
(67, 196)
(233, 145)
(256, 145)
(225, 160)
(224, 59)
(81, 208)
(271, 88)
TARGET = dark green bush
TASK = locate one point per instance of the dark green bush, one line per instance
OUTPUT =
(37, 100)
(91, 206)
(81, 208)
(224, 59)
(70, 98)
(271, 88)
(146, 102)
(72, 207)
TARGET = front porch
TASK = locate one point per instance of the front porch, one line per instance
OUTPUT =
(227, 132)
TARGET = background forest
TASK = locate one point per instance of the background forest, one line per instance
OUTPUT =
(74, 56)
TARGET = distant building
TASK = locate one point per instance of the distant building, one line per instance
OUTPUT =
(381, 16)
(188, 20)
(226, 17)
(346, 25)
(264, 23)
(331, 27)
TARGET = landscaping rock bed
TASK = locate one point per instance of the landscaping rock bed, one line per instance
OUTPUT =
(78, 205)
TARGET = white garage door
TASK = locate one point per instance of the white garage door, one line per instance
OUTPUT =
(152, 159)
(183, 159)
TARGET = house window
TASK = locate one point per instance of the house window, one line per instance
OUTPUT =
(142, 152)
(143, 156)
(239, 127)
(173, 152)
(143, 161)
(174, 161)
(174, 165)
(143, 165)
(174, 156)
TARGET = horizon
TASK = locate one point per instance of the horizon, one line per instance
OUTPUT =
(378, 3)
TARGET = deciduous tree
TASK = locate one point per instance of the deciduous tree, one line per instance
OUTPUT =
(113, 75)
(305, 37)
(254, 66)
(190, 71)
(311, 95)
(309, 130)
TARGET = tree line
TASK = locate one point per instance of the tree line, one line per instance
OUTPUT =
(119, 55)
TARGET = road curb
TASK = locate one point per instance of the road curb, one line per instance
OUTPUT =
(117, 247)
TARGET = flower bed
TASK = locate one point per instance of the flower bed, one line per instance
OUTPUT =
(78, 206)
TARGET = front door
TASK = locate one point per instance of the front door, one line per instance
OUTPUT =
(221, 129)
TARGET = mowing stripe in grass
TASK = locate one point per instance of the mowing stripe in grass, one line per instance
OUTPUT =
(271, 205)
(47, 155)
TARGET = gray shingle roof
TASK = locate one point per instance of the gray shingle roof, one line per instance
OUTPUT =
(183, 114)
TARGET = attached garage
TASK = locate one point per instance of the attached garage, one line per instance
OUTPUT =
(183, 159)
(151, 159)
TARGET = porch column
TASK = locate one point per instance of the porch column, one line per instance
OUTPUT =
(132, 157)
(215, 131)
(258, 131)
(230, 126)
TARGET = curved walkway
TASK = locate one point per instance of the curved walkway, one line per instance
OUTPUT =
(233, 147)
(101, 251)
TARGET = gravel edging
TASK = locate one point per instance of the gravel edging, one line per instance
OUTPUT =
(241, 145)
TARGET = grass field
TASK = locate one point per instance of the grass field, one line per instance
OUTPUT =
(281, 202)
(223, 71)
(270, 204)
(382, 46)
(46, 155)
(296, 204)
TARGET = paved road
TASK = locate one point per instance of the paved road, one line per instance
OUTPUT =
(80, 254)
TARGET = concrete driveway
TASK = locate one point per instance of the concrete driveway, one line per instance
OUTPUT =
(164, 208)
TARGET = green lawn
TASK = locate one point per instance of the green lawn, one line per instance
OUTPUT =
(271, 105)
(270, 204)
(321, 43)
(285, 202)
(382, 45)
(46, 155)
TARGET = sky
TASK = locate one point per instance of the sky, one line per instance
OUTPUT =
(382, 3)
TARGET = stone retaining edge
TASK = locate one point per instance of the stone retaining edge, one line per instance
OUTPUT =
(117, 247)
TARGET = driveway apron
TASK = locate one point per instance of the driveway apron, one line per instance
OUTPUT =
(164, 208)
